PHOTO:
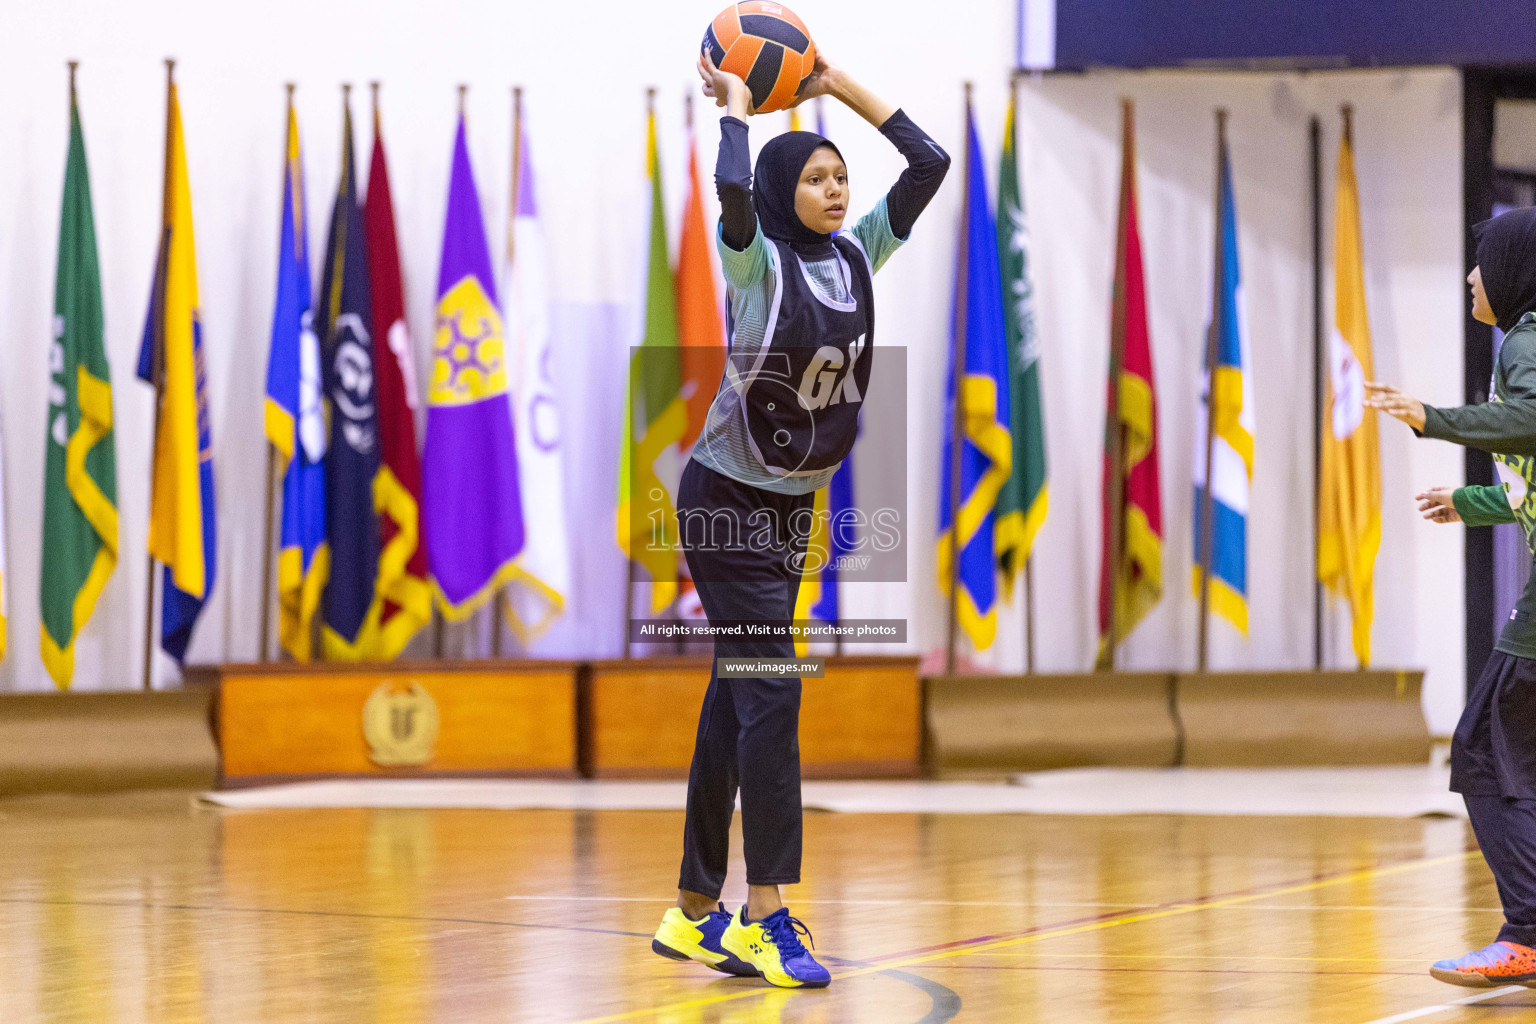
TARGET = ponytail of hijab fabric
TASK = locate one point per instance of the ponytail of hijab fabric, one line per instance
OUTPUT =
(774, 181)
(1506, 258)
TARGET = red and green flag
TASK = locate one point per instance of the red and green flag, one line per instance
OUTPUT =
(655, 414)
(1131, 571)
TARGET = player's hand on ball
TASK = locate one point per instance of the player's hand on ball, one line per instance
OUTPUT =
(1394, 403)
(718, 85)
(1437, 506)
(822, 79)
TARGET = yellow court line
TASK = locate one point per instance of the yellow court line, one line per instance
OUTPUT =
(1177, 910)
(1218, 956)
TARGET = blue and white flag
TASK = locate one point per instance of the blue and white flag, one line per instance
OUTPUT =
(1231, 443)
(295, 418)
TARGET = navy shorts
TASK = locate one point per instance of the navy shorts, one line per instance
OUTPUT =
(1493, 752)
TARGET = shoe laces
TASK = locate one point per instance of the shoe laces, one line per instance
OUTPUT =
(785, 932)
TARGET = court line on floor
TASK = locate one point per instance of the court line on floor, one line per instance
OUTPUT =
(987, 943)
(315, 913)
(1430, 1011)
(1002, 903)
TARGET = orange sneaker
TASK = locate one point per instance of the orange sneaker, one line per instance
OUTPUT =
(1502, 963)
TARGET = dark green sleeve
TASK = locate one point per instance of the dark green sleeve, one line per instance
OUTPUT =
(1507, 427)
(1483, 505)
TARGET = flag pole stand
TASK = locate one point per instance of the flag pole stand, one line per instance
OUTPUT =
(1029, 615)
(629, 603)
(498, 613)
(1212, 353)
(956, 432)
(263, 655)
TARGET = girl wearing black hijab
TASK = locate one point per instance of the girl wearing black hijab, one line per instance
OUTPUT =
(1493, 753)
(786, 414)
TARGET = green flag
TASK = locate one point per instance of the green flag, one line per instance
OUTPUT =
(80, 503)
(655, 414)
(1021, 504)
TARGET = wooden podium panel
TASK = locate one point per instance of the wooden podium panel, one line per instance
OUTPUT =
(286, 722)
(864, 720)
(1030, 723)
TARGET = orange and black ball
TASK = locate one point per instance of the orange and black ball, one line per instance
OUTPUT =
(767, 46)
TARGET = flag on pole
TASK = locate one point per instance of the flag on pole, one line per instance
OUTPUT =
(700, 328)
(183, 534)
(295, 419)
(80, 486)
(655, 413)
(1349, 493)
(344, 324)
(1129, 590)
(1231, 442)
(404, 592)
(470, 486)
(1021, 507)
(986, 456)
(537, 595)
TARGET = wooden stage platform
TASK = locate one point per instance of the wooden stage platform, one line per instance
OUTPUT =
(870, 717)
(146, 909)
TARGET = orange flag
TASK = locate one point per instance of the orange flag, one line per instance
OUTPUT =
(699, 330)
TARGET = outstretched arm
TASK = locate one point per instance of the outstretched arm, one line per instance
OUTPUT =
(1504, 428)
(890, 223)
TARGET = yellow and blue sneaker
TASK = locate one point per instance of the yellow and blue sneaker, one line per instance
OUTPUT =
(773, 946)
(682, 938)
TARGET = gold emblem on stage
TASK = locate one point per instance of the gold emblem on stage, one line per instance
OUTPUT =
(400, 725)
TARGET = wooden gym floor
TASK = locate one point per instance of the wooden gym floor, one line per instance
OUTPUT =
(147, 908)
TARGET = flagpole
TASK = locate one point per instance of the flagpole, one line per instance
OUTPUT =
(1315, 138)
(1116, 429)
(158, 363)
(262, 655)
(1212, 353)
(1029, 556)
(1348, 110)
(957, 415)
(499, 605)
(629, 567)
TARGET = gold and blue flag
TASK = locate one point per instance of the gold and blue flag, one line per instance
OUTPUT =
(182, 522)
(1228, 389)
(980, 385)
(295, 419)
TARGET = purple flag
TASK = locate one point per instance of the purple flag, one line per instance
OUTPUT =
(470, 493)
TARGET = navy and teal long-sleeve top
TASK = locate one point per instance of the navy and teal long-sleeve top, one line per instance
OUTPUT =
(746, 260)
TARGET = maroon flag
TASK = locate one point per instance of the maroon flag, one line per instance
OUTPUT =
(1131, 572)
(402, 582)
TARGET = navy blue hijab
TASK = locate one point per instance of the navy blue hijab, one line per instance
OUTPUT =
(774, 181)
(1506, 257)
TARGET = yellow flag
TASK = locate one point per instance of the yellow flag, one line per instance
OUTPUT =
(1349, 491)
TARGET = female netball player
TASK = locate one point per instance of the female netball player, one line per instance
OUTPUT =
(1493, 752)
(786, 414)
